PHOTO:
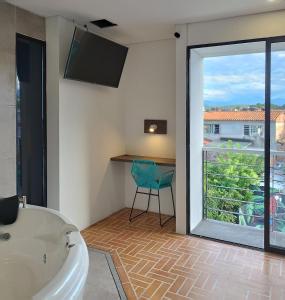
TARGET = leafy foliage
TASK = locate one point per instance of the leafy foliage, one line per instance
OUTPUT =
(232, 177)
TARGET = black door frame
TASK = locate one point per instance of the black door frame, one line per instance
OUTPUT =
(44, 113)
(268, 42)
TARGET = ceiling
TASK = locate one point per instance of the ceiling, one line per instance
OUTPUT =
(145, 20)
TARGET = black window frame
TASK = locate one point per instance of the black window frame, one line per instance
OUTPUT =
(44, 123)
(268, 42)
(246, 130)
(216, 128)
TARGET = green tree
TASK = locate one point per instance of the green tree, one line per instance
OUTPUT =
(231, 178)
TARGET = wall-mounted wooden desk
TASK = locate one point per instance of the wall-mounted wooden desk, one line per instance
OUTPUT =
(170, 162)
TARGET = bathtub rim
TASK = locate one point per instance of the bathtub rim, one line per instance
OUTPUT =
(69, 281)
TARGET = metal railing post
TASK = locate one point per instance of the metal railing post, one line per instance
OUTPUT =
(203, 185)
(206, 185)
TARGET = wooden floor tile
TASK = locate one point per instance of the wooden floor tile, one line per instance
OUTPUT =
(156, 263)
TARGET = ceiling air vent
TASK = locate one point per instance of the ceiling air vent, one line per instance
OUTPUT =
(103, 23)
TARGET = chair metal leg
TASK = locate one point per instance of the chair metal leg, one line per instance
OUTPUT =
(159, 209)
(130, 217)
(148, 200)
(173, 201)
(144, 212)
(162, 224)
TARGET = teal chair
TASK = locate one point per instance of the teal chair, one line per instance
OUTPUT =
(147, 176)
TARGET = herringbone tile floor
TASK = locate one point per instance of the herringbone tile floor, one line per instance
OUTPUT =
(155, 263)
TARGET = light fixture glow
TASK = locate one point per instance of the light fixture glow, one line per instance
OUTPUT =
(155, 126)
(152, 128)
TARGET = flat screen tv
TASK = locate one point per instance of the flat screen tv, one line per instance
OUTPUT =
(95, 59)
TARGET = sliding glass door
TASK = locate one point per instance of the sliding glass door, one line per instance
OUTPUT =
(236, 142)
(275, 206)
(227, 89)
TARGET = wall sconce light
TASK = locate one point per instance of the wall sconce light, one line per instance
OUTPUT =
(155, 126)
(152, 128)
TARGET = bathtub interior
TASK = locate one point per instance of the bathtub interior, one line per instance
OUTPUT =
(34, 254)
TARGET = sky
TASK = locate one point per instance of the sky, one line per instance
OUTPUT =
(240, 79)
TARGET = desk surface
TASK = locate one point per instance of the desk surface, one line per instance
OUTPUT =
(170, 162)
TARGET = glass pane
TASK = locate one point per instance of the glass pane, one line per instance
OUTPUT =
(227, 87)
(277, 146)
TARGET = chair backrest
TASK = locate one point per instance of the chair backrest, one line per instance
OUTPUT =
(144, 173)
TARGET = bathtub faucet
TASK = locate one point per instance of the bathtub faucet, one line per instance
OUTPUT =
(23, 201)
(69, 228)
(5, 236)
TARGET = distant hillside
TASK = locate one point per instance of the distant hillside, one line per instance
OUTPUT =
(278, 104)
(242, 106)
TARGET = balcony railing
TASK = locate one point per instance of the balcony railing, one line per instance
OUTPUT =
(233, 191)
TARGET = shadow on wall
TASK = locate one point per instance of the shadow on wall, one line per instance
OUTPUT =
(107, 194)
(90, 133)
(158, 144)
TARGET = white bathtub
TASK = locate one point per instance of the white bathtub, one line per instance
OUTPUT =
(36, 263)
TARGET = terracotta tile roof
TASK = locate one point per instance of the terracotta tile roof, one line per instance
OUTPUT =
(240, 115)
(207, 141)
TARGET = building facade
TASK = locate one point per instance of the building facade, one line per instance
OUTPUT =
(246, 127)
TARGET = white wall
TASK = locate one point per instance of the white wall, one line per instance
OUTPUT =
(147, 91)
(231, 29)
(196, 138)
(91, 187)
(238, 28)
(181, 44)
(90, 131)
